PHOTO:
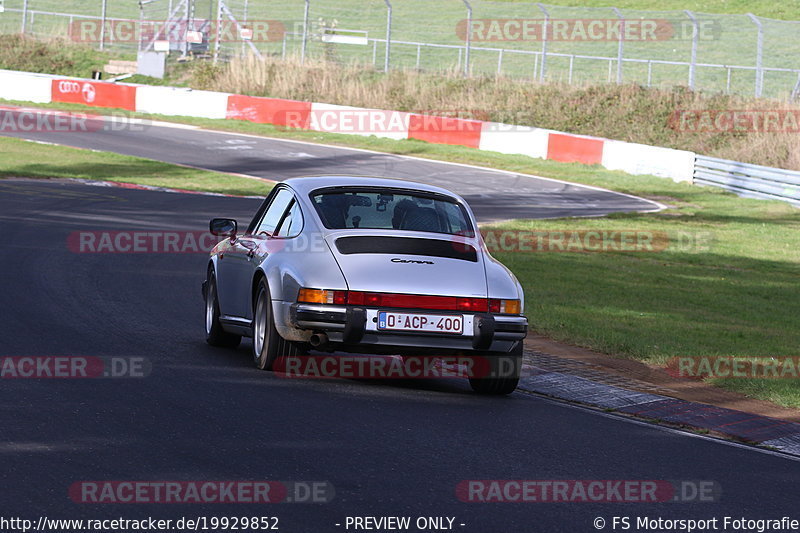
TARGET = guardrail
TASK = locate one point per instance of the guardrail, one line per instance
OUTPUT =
(753, 181)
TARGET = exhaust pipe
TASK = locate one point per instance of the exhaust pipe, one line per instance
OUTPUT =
(318, 339)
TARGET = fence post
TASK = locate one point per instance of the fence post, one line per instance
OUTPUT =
(621, 43)
(244, 23)
(728, 82)
(695, 36)
(103, 12)
(543, 68)
(759, 55)
(141, 46)
(187, 6)
(24, 15)
(500, 62)
(305, 33)
(388, 35)
(219, 22)
(469, 36)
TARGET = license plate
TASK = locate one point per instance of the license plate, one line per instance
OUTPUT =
(416, 322)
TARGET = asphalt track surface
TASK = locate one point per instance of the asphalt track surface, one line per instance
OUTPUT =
(390, 448)
(493, 195)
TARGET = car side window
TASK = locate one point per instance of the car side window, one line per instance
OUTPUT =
(456, 221)
(292, 223)
(274, 213)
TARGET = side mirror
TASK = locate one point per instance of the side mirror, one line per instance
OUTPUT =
(223, 227)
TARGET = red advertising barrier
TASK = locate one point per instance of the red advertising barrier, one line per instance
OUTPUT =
(572, 149)
(445, 130)
(289, 113)
(95, 93)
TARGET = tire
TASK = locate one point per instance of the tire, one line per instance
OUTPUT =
(504, 373)
(215, 335)
(268, 345)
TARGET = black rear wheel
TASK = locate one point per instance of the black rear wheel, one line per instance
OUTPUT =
(268, 345)
(504, 373)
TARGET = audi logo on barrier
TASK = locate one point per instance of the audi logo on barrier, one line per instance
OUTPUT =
(69, 87)
(73, 87)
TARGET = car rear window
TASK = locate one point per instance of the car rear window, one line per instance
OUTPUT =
(373, 244)
(391, 210)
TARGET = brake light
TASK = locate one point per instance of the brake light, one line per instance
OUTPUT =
(409, 301)
(417, 301)
(505, 307)
(478, 305)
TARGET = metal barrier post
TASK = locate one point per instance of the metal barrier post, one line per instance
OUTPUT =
(388, 35)
(469, 36)
(103, 12)
(244, 22)
(24, 15)
(759, 55)
(305, 33)
(695, 36)
(543, 68)
(219, 22)
(500, 62)
(621, 43)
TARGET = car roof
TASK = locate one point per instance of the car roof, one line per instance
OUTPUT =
(305, 185)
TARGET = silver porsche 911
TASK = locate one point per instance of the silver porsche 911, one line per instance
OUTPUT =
(369, 266)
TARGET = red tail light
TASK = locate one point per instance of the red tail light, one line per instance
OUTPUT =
(409, 301)
(417, 301)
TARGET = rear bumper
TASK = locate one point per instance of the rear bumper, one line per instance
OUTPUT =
(352, 325)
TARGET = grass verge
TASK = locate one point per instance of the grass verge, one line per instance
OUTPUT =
(33, 160)
(737, 293)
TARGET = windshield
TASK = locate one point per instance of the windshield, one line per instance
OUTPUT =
(388, 209)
